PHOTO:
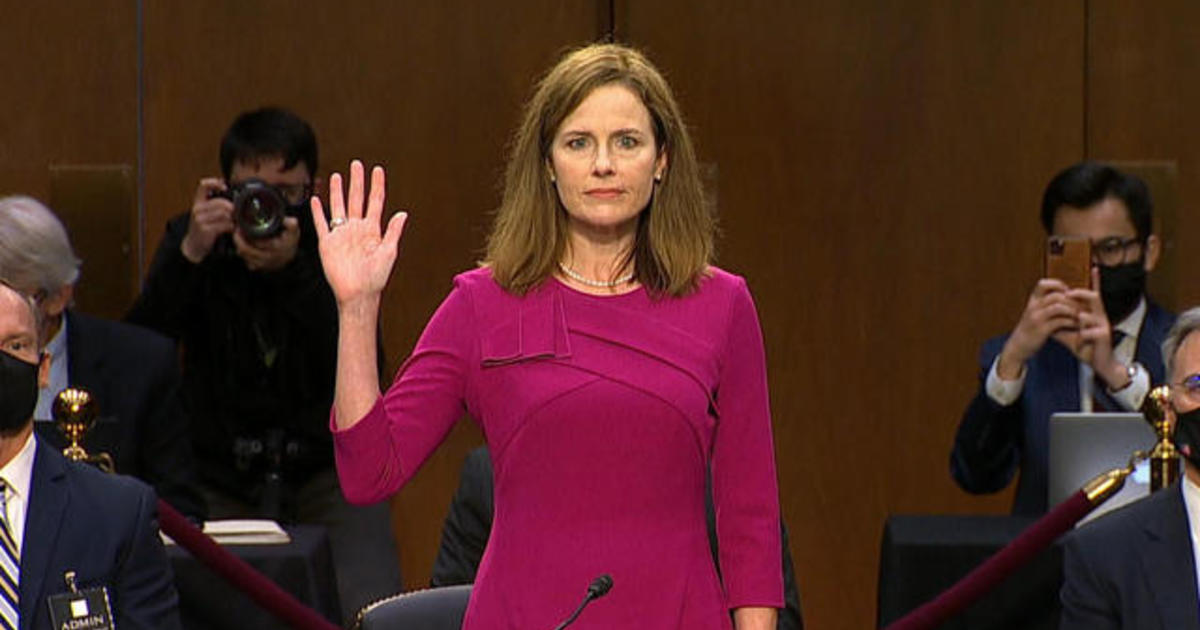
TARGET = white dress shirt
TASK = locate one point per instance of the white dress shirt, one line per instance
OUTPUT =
(18, 476)
(1131, 397)
(59, 373)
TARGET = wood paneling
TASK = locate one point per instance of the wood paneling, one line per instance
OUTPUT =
(429, 89)
(70, 77)
(1162, 178)
(880, 167)
(1142, 95)
(98, 204)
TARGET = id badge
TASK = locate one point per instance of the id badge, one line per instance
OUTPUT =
(86, 609)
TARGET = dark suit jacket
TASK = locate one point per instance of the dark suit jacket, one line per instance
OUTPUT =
(259, 353)
(994, 440)
(465, 534)
(105, 529)
(133, 374)
(1132, 568)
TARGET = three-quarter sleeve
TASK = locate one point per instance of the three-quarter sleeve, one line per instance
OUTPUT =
(381, 452)
(745, 487)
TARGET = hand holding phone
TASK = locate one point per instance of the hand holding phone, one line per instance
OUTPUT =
(1050, 311)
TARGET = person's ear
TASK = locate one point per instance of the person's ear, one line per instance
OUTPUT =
(1153, 251)
(55, 302)
(44, 369)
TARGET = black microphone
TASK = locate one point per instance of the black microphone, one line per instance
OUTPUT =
(597, 589)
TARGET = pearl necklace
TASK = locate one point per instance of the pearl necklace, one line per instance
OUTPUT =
(599, 284)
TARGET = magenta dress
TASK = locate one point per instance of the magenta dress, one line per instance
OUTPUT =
(602, 414)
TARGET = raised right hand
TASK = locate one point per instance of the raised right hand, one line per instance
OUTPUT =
(357, 259)
(1049, 311)
(210, 218)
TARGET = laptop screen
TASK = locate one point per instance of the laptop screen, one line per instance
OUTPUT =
(1083, 445)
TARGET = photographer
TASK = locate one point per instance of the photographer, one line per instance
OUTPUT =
(237, 282)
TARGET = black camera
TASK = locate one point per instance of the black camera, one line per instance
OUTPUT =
(258, 208)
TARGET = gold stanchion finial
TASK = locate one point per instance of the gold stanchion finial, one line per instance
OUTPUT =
(1164, 458)
(75, 412)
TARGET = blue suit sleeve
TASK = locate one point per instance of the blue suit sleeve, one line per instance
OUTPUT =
(1085, 604)
(986, 449)
(144, 590)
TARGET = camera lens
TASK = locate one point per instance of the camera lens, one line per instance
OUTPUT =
(258, 210)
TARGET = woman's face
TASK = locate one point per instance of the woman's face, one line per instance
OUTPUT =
(605, 161)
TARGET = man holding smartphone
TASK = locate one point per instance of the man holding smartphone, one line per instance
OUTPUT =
(1073, 348)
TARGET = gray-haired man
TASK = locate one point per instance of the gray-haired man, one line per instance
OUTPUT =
(1136, 567)
(132, 373)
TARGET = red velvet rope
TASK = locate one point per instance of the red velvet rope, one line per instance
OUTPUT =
(241, 575)
(986, 576)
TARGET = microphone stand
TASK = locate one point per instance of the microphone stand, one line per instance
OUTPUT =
(597, 589)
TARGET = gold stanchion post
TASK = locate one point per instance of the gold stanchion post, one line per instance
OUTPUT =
(75, 412)
(1164, 458)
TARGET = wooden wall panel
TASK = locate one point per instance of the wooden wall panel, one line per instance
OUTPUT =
(70, 77)
(1143, 69)
(429, 89)
(1162, 178)
(880, 169)
(98, 204)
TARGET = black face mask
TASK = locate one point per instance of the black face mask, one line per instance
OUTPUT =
(18, 392)
(1121, 287)
(1187, 435)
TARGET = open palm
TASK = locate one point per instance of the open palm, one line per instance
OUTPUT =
(356, 256)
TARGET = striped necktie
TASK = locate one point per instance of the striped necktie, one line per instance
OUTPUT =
(10, 567)
(1101, 401)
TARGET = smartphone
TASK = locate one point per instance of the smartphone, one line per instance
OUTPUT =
(1069, 259)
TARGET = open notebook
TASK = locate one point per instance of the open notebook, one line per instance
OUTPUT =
(243, 532)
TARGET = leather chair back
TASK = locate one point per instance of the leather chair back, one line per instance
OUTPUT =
(439, 608)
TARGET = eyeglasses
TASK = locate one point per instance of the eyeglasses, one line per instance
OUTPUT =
(1114, 250)
(1188, 389)
(295, 193)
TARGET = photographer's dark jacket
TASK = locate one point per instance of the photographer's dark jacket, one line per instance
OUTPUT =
(259, 352)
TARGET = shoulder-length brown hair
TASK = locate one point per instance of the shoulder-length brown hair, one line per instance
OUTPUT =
(674, 241)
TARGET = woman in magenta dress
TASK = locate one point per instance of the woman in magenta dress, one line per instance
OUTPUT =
(609, 365)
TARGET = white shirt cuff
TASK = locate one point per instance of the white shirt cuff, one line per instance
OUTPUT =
(1133, 395)
(1004, 392)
